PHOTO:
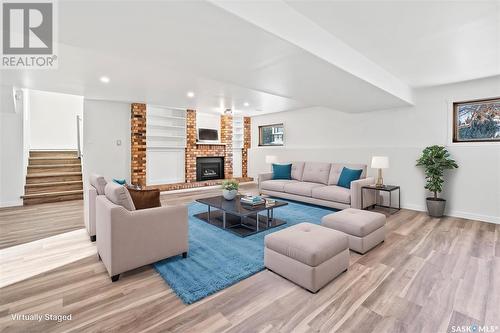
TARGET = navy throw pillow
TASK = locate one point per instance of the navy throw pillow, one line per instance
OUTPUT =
(282, 171)
(347, 176)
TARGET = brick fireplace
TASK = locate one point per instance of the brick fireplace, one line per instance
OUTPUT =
(193, 150)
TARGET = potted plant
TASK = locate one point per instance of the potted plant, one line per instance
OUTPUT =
(435, 160)
(230, 189)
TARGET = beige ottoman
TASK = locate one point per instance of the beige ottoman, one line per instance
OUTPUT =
(365, 229)
(307, 254)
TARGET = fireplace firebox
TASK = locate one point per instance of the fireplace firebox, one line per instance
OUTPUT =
(209, 168)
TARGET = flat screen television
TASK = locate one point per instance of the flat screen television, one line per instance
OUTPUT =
(207, 134)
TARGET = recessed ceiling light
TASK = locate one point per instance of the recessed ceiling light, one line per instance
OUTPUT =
(246, 104)
(104, 79)
(190, 94)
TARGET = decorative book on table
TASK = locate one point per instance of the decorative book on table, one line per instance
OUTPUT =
(252, 200)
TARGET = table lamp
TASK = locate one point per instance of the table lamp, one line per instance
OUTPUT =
(380, 162)
(270, 159)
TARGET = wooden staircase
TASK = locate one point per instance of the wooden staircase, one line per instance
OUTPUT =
(53, 176)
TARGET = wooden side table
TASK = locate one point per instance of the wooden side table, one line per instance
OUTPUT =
(384, 188)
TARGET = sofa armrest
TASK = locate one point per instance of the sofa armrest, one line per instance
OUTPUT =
(263, 177)
(368, 196)
(89, 210)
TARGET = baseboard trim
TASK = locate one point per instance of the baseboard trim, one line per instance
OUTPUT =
(15, 203)
(454, 213)
(479, 217)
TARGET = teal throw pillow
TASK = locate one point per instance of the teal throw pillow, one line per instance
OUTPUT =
(282, 171)
(120, 181)
(347, 176)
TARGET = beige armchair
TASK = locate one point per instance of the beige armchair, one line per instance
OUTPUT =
(133, 238)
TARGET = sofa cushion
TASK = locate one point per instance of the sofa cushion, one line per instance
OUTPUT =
(144, 199)
(98, 182)
(282, 171)
(119, 195)
(316, 172)
(277, 185)
(354, 222)
(337, 169)
(332, 193)
(301, 188)
(308, 243)
(297, 170)
(347, 176)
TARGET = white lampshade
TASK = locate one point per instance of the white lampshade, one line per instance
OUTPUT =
(270, 159)
(380, 162)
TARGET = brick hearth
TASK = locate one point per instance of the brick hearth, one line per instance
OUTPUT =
(183, 186)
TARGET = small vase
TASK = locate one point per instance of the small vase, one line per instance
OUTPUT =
(229, 195)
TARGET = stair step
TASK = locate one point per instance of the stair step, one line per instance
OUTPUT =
(53, 177)
(52, 194)
(54, 168)
(53, 187)
(53, 153)
(38, 198)
(53, 160)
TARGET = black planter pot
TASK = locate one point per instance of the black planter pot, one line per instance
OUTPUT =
(435, 206)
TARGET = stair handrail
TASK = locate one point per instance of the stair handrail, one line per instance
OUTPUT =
(78, 119)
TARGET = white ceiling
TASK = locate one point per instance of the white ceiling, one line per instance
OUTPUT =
(155, 52)
(424, 43)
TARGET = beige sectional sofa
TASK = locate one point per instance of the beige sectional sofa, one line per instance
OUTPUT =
(316, 183)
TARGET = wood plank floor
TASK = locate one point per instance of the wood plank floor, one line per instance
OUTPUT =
(17, 263)
(429, 275)
(19, 225)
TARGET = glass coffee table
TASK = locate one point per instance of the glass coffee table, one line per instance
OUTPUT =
(239, 218)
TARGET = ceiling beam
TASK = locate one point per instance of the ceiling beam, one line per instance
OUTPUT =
(281, 20)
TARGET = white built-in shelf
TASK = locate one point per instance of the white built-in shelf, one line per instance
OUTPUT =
(166, 117)
(166, 127)
(211, 144)
(238, 132)
(158, 145)
(163, 137)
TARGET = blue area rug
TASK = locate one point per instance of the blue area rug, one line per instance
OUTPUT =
(218, 259)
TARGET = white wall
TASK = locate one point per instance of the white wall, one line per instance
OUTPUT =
(11, 149)
(53, 119)
(320, 134)
(237, 163)
(208, 120)
(104, 123)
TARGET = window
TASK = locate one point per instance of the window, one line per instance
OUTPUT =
(271, 135)
(476, 121)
